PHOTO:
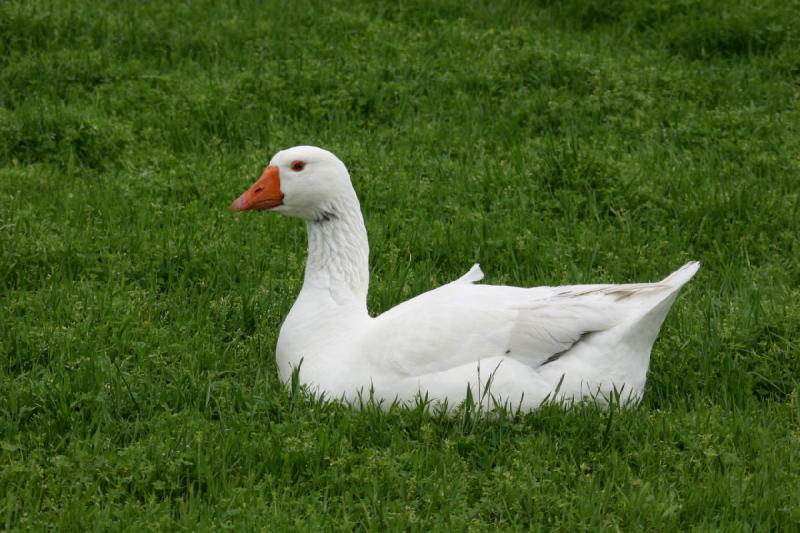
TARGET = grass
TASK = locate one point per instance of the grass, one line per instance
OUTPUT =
(554, 142)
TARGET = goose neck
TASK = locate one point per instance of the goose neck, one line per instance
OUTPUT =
(338, 251)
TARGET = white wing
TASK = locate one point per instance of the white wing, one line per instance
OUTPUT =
(461, 323)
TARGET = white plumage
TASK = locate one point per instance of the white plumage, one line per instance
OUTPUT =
(583, 340)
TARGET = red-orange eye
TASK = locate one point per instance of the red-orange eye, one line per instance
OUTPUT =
(297, 166)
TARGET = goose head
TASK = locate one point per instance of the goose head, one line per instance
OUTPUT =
(304, 182)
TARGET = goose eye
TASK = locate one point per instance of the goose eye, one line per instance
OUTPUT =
(297, 166)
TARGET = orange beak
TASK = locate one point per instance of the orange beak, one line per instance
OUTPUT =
(263, 194)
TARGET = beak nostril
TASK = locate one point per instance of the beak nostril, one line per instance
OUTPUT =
(258, 189)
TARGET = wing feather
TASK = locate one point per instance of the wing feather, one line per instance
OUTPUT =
(461, 323)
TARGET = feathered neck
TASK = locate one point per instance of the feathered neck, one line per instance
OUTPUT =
(338, 251)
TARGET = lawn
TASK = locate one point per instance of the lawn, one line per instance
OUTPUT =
(553, 142)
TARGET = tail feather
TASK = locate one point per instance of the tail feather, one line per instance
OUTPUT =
(678, 278)
(620, 355)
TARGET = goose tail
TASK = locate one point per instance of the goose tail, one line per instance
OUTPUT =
(679, 278)
(620, 356)
(639, 334)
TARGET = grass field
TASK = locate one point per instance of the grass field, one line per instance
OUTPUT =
(553, 142)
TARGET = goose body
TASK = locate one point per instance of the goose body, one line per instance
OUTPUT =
(507, 344)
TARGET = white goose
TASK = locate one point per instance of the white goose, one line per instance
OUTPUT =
(580, 340)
